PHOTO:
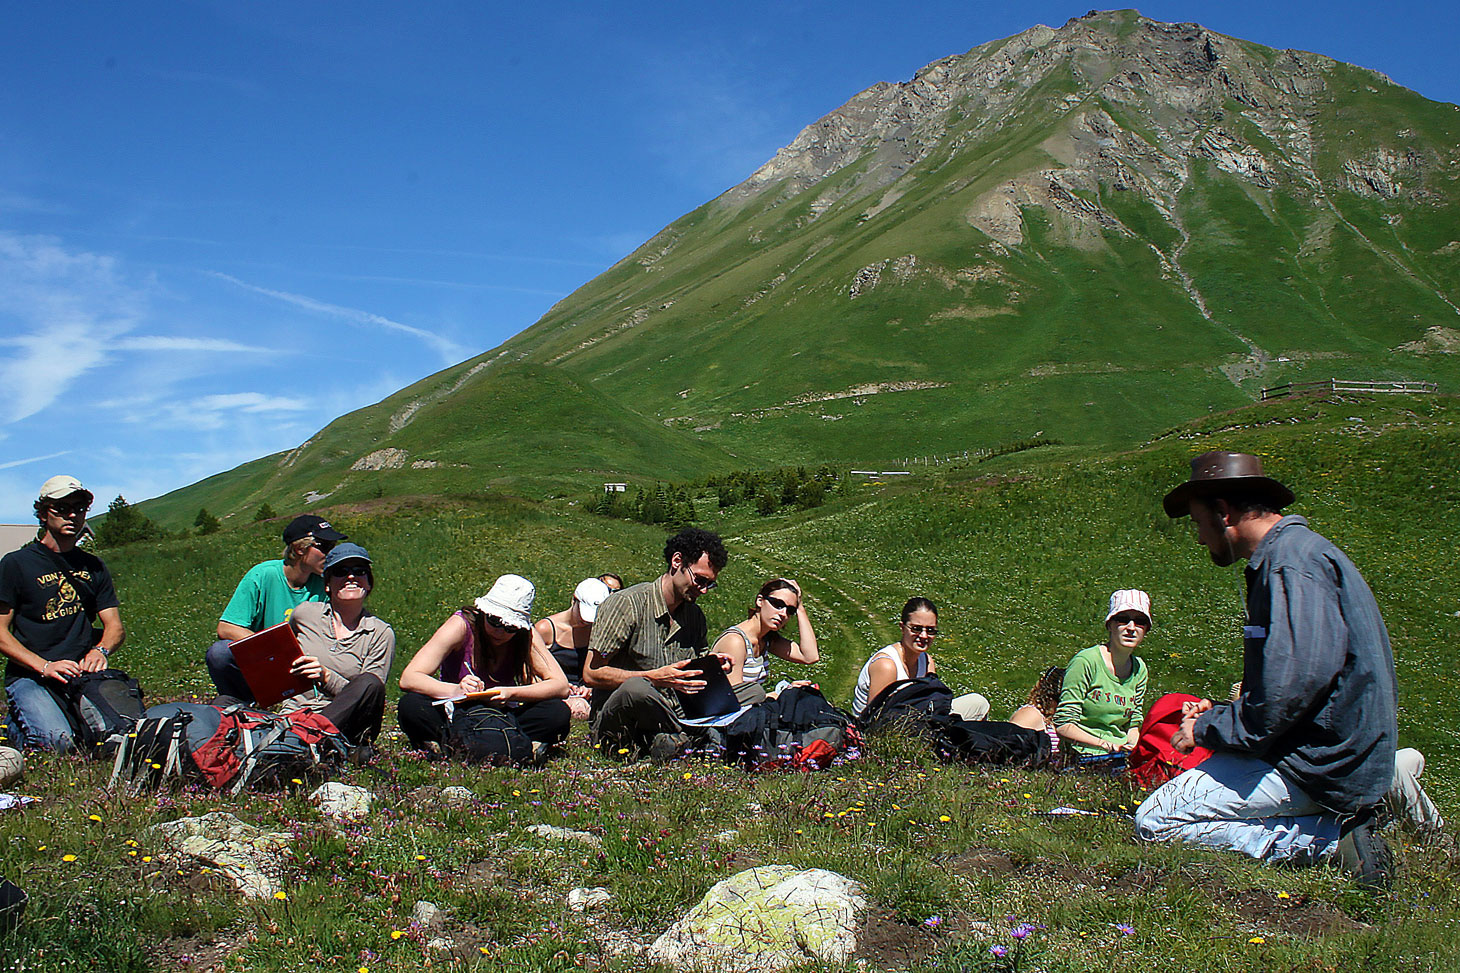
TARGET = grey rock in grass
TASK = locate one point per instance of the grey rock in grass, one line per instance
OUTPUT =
(457, 796)
(552, 833)
(426, 914)
(581, 899)
(343, 802)
(441, 943)
(766, 919)
(250, 857)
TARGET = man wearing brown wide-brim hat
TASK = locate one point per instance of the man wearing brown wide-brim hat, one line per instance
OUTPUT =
(1303, 755)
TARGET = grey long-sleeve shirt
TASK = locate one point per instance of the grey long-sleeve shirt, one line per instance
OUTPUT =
(1318, 688)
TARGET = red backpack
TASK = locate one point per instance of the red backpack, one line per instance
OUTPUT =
(1154, 761)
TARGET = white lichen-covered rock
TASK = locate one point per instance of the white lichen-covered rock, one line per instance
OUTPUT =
(552, 833)
(251, 858)
(765, 919)
(343, 802)
(456, 796)
(425, 914)
(581, 899)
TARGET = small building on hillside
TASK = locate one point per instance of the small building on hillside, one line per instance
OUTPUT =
(15, 536)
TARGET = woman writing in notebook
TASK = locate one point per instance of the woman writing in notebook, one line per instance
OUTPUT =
(488, 651)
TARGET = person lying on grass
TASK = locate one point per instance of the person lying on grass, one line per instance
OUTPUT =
(488, 647)
(1044, 699)
(574, 625)
(748, 644)
(909, 658)
(1104, 690)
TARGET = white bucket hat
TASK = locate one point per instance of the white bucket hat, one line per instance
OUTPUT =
(510, 600)
(1130, 600)
(589, 595)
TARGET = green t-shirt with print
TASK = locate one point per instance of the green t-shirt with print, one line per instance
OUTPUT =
(1097, 702)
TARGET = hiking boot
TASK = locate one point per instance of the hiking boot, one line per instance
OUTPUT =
(667, 746)
(1363, 854)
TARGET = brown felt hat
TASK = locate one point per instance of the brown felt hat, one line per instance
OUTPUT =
(1215, 471)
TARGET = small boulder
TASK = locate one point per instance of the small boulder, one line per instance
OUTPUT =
(426, 914)
(457, 796)
(766, 919)
(343, 802)
(251, 858)
(552, 833)
(581, 899)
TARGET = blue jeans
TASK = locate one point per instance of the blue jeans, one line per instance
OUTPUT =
(1239, 803)
(36, 719)
(225, 672)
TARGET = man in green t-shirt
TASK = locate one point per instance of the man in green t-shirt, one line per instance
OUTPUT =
(268, 593)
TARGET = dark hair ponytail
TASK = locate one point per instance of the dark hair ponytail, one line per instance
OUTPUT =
(918, 605)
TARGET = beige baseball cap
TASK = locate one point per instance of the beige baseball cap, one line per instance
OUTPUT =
(62, 486)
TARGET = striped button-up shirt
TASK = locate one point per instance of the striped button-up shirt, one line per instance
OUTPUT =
(636, 631)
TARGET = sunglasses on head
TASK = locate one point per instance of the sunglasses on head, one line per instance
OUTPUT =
(780, 605)
(929, 630)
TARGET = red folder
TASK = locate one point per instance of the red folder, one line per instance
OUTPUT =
(264, 659)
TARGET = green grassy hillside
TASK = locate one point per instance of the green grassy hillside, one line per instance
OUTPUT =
(1030, 238)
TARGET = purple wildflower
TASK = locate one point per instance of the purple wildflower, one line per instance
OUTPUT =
(1022, 930)
(999, 951)
(1126, 929)
(933, 922)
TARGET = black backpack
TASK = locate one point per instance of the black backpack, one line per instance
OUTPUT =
(907, 700)
(102, 708)
(923, 707)
(488, 734)
(798, 729)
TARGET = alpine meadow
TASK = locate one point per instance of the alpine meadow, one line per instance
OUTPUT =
(1034, 280)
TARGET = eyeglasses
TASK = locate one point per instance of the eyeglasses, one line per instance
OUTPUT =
(700, 581)
(349, 571)
(780, 605)
(68, 509)
(931, 631)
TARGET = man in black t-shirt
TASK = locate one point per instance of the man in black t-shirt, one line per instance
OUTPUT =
(50, 592)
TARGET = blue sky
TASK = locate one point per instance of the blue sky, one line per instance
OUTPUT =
(224, 224)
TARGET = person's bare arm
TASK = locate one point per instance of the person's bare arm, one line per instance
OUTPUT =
(232, 632)
(600, 675)
(10, 646)
(1075, 734)
(732, 646)
(113, 634)
(881, 674)
(419, 677)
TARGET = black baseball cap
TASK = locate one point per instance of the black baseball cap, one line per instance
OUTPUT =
(306, 524)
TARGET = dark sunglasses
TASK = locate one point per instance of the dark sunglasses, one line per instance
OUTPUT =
(931, 631)
(349, 570)
(780, 605)
(325, 546)
(68, 509)
(700, 581)
(496, 622)
(1136, 617)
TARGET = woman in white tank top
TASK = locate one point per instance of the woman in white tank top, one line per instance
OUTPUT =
(748, 643)
(909, 659)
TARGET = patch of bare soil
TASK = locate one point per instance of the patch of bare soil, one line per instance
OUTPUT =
(886, 943)
(977, 863)
(1298, 916)
(192, 953)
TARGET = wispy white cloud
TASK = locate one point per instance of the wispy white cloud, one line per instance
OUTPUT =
(450, 351)
(177, 343)
(63, 310)
(32, 459)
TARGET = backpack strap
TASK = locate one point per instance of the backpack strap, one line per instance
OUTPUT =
(83, 590)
